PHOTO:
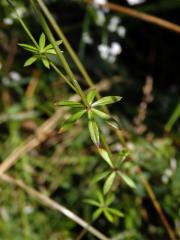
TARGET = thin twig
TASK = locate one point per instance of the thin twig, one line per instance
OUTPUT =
(54, 205)
(140, 15)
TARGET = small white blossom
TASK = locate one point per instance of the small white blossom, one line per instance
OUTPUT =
(8, 21)
(104, 51)
(99, 2)
(134, 2)
(121, 31)
(116, 48)
(110, 53)
(165, 179)
(15, 76)
(87, 38)
(113, 24)
(168, 172)
(28, 209)
(173, 164)
(20, 10)
(100, 17)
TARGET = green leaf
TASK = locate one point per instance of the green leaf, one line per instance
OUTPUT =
(109, 199)
(108, 215)
(71, 120)
(104, 154)
(92, 202)
(127, 180)
(100, 197)
(91, 95)
(101, 114)
(51, 51)
(28, 47)
(116, 212)
(100, 176)
(109, 182)
(97, 213)
(42, 41)
(30, 61)
(107, 100)
(122, 156)
(46, 62)
(113, 123)
(93, 129)
(49, 46)
(69, 104)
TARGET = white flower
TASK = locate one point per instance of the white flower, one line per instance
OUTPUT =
(168, 172)
(115, 49)
(113, 24)
(173, 164)
(99, 2)
(165, 179)
(28, 209)
(134, 2)
(15, 76)
(121, 31)
(8, 21)
(20, 10)
(104, 51)
(100, 17)
(110, 53)
(87, 38)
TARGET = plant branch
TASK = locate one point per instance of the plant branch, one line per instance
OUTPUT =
(140, 15)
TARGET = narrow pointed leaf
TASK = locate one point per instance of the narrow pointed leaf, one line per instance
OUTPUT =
(100, 176)
(109, 199)
(101, 114)
(107, 100)
(69, 104)
(49, 46)
(108, 215)
(127, 180)
(93, 129)
(116, 212)
(91, 95)
(109, 182)
(92, 202)
(97, 213)
(30, 61)
(104, 154)
(51, 51)
(71, 120)
(122, 156)
(28, 47)
(46, 62)
(100, 197)
(42, 41)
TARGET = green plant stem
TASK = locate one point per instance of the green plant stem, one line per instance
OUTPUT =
(62, 76)
(23, 25)
(75, 58)
(174, 117)
(59, 53)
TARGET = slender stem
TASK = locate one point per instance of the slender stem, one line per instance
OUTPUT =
(62, 76)
(73, 55)
(140, 15)
(59, 53)
(86, 76)
(23, 24)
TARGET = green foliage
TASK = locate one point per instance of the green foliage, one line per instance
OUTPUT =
(41, 52)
